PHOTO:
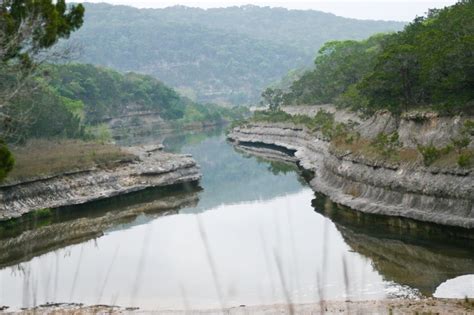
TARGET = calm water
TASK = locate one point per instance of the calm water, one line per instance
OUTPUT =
(250, 235)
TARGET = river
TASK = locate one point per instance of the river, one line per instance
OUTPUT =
(253, 233)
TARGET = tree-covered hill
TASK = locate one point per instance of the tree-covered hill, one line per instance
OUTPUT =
(216, 55)
(430, 64)
(71, 100)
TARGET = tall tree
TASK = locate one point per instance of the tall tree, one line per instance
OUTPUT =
(429, 63)
(28, 28)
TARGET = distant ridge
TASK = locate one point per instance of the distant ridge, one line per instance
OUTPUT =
(221, 55)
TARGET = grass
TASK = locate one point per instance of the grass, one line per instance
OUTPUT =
(366, 149)
(39, 158)
(403, 155)
(323, 121)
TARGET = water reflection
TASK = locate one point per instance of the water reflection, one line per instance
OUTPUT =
(250, 236)
(28, 237)
(230, 177)
(247, 253)
(411, 253)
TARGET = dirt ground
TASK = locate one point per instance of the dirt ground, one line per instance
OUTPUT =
(393, 306)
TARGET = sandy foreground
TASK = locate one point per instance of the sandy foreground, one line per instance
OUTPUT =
(392, 306)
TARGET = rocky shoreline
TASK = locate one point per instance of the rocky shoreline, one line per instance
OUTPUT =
(151, 168)
(428, 194)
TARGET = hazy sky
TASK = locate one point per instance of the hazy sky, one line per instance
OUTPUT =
(401, 10)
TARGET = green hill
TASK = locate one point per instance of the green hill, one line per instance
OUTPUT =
(217, 55)
(428, 65)
(73, 100)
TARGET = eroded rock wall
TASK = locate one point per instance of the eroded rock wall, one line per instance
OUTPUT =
(153, 168)
(420, 193)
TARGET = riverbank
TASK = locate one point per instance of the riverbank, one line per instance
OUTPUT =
(395, 306)
(125, 170)
(441, 192)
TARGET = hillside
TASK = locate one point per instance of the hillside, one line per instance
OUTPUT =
(73, 101)
(217, 55)
(428, 65)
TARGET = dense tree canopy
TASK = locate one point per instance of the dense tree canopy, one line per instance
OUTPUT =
(428, 64)
(339, 65)
(69, 98)
(28, 26)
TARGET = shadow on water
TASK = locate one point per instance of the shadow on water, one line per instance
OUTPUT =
(408, 252)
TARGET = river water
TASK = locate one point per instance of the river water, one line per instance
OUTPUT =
(253, 233)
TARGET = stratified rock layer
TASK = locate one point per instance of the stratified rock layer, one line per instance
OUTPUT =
(153, 168)
(431, 195)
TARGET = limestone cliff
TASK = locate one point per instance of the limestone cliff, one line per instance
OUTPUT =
(152, 168)
(432, 194)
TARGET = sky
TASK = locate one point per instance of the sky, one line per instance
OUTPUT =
(397, 10)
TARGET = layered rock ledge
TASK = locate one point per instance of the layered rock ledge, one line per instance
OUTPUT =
(442, 196)
(151, 168)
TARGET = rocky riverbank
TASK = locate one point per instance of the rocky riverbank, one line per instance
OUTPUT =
(436, 193)
(151, 168)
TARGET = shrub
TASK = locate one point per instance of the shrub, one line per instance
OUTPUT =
(430, 154)
(43, 213)
(6, 161)
(469, 127)
(386, 144)
(464, 160)
(461, 143)
(447, 149)
(100, 133)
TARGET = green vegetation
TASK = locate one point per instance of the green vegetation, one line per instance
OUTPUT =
(27, 221)
(386, 144)
(427, 65)
(41, 113)
(74, 101)
(6, 161)
(430, 154)
(465, 159)
(339, 65)
(224, 56)
(383, 148)
(43, 213)
(323, 121)
(273, 98)
(102, 93)
(27, 28)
